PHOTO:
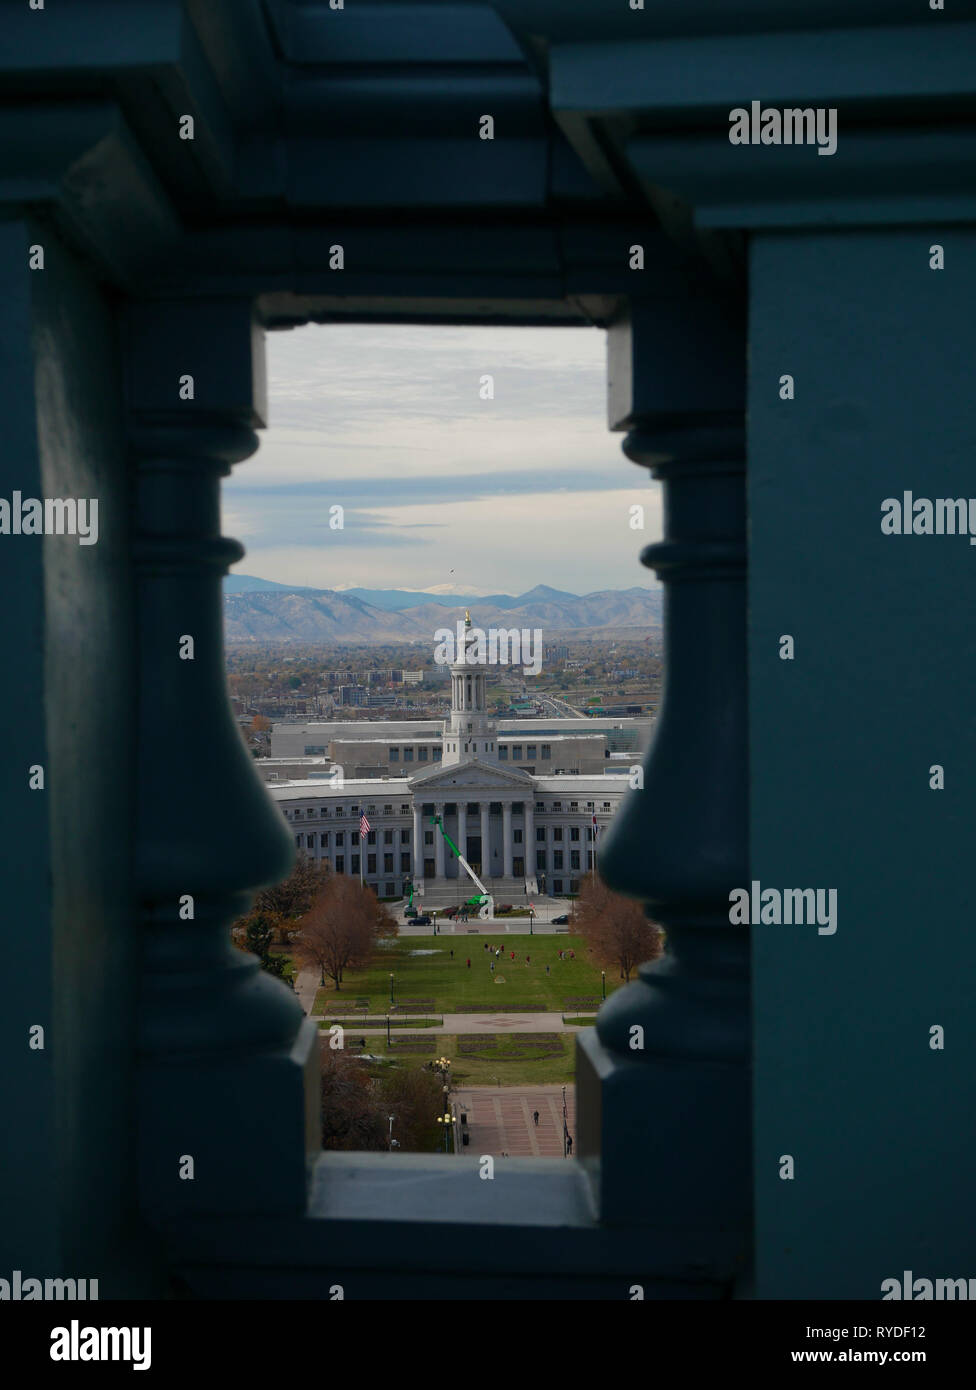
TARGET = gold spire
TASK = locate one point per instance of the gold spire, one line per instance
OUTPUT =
(467, 618)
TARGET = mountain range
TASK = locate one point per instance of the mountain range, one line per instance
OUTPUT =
(269, 612)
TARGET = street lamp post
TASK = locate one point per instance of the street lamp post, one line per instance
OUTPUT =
(391, 1133)
(603, 976)
(445, 1120)
(391, 989)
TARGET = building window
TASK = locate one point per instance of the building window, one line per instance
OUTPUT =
(589, 805)
(340, 838)
(388, 863)
(516, 753)
(387, 837)
(438, 754)
(404, 837)
(394, 756)
(557, 805)
(298, 841)
(298, 813)
(370, 810)
(339, 811)
(340, 864)
(574, 858)
(371, 863)
(530, 750)
(354, 864)
(546, 751)
(517, 837)
(371, 837)
(390, 889)
(557, 859)
(408, 755)
(323, 840)
(404, 810)
(428, 837)
(503, 752)
(540, 834)
(388, 810)
(606, 806)
(557, 885)
(404, 863)
(574, 805)
(540, 861)
(421, 755)
(557, 833)
(574, 832)
(540, 806)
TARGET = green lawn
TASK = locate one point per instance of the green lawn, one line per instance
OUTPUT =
(437, 984)
(489, 1059)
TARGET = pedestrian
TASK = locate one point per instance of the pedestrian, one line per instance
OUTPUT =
(498, 952)
(469, 962)
(486, 945)
(452, 955)
(547, 970)
(528, 960)
(560, 955)
(513, 955)
(491, 967)
(535, 1118)
(569, 1145)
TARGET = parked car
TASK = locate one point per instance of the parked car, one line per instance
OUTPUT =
(423, 919)
(561, 921)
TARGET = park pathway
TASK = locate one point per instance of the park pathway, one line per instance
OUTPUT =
(308, 984)
(500, 1119)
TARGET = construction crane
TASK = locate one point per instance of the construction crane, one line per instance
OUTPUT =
(482, 899)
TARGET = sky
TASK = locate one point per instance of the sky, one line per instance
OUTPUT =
(439, 488)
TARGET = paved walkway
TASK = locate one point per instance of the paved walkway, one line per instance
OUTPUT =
(500, 1119)
(308, 984)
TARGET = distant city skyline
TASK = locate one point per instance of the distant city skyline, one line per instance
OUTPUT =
(440, 489)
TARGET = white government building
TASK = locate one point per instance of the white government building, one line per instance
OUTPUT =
(526, 830)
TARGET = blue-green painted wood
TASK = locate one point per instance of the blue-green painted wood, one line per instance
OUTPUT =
(881, 1127)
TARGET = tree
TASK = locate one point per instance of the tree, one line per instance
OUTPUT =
(294, 895)
(340, 928)
(616, 929)
(352, 1116)
(414, 1098)
(255, 933)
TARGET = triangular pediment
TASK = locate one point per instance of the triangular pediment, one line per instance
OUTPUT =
(477, 775)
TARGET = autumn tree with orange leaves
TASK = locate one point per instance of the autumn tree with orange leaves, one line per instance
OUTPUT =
(616, 929)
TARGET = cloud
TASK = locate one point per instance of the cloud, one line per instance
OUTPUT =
(529, 487)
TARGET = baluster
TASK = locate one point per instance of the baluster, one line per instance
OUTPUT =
(229, 1088)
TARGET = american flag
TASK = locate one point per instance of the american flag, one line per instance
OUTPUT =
(595, 826)
(364, 826)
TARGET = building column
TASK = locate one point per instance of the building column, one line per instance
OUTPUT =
(507, 839)
(680, 844)
(224, 1048)
(418, 843)
(462, 833)
(486, 840)
(439, 842)
(528, 837)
